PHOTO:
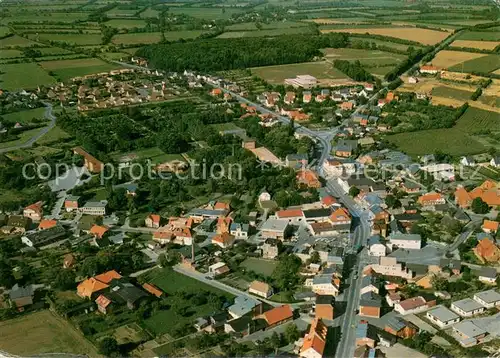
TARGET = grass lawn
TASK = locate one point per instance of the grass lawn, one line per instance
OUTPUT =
(23, 138)
(149, 13)
(24, 76)
(42, 332)
(482, 64)
(25, 117)
(4, 31)
(260, 266)
(10, 54)
(458, 140)
(48, 51)
(171, 282)
(277, 74)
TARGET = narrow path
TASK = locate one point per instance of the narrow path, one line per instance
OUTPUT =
(48, 114)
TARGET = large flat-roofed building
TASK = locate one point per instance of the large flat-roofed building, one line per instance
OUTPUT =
(488, 299)
(97, 208)
(304, 81)
(467, 307)
(274, 229)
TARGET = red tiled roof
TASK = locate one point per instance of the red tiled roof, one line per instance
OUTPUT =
(316, 338)
(152, 289)
(103, 301)
(490, 225)
(289, 213)
(106, 277)
(47, 224)
(412, 303)
(278, 314)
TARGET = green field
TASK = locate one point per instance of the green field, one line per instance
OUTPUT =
(54, 135)
(277, 74)
(154, 37)
(479, 36)
(459, 140)
(23, 138)
(10, 54)
(118, 12)
(394, 45)
(46, 17)
(262, 33)
(4, 31)
(165, 321)
(125, 23)
(368, 58)
(74, 39)
(66, 69)
(149, 13)
(485, 64)
(42, 332)
(260, 266)
(48, 51)
(449, 92)
(208, 13)
(15, 41)
(490, 100)
(24, 117)
(24, 76)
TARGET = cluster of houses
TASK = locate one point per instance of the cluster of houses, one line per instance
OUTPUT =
(110, 89)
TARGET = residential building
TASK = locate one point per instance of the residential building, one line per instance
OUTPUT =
(278, 315)
(443, 171)
(296, 161)
(393, 298)
(442, 317)
(368, 284)
(431, 199)
(326, 284)
(468, 334)
(315, 341)
(400, 327)
(274, 229)
(405, 241)
(152, 221)
(308, 178)
(429, 69)
(366, 334)
(376, 248)
(488, 191)
(341, 220)
(218, 269)
(34, 211)
(488, 299)
(270, 248)
(413, 305)
(92, 285)
(388, 266)
(488, 275)
(223, 240)
(293, 216)
(47, 224)
(370, 305)
(467, 307)
(97, 208)
(490, 226)
(325, 307)
(98, 231)
(243, 306)
(261, 289)
(21, 296)
(71, 203)
(487, 251)
(239, 231)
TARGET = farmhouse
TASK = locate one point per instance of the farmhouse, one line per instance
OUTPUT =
(432, 70)
(34, 211)
(71, 203)
(92, 285)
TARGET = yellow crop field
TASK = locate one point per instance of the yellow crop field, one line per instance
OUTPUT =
(424, 36)
(482, 45)
(445, 58)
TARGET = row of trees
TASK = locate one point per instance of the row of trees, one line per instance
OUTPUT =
(354, 70)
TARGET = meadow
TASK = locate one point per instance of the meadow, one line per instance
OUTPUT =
(262, 33)
(449, 92)
(74, 39)
(125, 23)
(260, 266)
(24, 117)
(15, 40)
(446, 58)
(394, 45)
(137, 38)
(277, 74)
(488, 63)
(366, 57)
(482, 45)
(250, 26)
(42, 332)
(208, 13)
(24, 76)
(66, 69)
(480, 36)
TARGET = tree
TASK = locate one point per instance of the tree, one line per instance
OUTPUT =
(162, 260)
(478, 206)
(109, 347)
(354, 191)
(315, 259)
(275, 342)
(292, 333)
(392, 202)
(65, 280)
(285, 274)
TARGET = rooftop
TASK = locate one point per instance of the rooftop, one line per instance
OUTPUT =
(443, 314)
(467, 305)
(274, 225)
(490, 296)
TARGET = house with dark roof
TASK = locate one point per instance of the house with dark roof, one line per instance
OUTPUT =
(366, 334)
(400, 327)
(370, 305)
(21, 296)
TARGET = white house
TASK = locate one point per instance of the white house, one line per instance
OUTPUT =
(467, 307)
(218, 268)
(468, 161)
(411, 305)
(405, 241)
(488, 275)
(443, 171)
(261, 289)
(376, 248)
(239, 231)
(488, 299)
(442, 317)
(495, 162)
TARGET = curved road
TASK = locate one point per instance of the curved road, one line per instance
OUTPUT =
(48, 114)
